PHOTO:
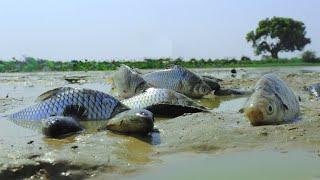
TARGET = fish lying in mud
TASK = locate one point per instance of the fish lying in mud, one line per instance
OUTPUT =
(212, 83)
(272, 102)
(60, 111)
(180, 80)
(138, 120)
(163, 102)
(128, 82)
(314, 89)
(212, 78)
(228, 92)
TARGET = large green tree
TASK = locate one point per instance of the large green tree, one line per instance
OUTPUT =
(278, 34)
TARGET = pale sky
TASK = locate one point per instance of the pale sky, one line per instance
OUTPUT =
(134, 29)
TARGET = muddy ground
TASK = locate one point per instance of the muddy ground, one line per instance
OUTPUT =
(25, 153)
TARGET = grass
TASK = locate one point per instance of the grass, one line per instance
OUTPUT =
(31, 64)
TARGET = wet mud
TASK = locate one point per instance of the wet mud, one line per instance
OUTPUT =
(220, 133)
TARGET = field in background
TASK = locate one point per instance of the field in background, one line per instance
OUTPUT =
(35, 65)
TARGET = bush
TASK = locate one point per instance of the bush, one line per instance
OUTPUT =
(309, 56)
(245, 58)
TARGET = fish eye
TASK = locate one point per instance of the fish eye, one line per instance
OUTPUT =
(204, 89)
(141, 114)
(270, 109)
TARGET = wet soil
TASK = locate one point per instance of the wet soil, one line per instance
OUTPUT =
(191, 143)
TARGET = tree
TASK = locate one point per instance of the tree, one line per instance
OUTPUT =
(309, 56)
(278, 34)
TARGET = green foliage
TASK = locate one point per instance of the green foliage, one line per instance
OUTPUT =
(310, 56)
(245, 58)
(34, 65)
(278, 34)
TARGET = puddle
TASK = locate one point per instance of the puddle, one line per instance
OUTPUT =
(224, 103)
(245, 165)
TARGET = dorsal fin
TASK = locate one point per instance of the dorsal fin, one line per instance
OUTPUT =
(176, 67)
(51, 93)
(75, 111)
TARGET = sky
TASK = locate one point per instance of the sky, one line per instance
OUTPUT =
(135, 29)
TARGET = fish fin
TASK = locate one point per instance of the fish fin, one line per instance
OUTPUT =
(283, 104)
(76, 111)
(51, 93)
(285, 107)
(176, 67)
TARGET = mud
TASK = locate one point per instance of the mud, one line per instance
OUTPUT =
(25, 153)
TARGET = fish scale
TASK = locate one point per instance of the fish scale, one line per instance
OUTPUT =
(155, 96)
(97, 105)
(178, 79)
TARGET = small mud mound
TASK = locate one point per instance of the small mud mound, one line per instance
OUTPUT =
(47, 170)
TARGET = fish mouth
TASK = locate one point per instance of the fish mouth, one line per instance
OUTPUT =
(254, 115)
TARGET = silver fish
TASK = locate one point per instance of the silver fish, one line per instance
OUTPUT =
(87, 104)
(228, 92)
(128, 82)
(178, 79)
(212, 83)
(272, 102)
(163, 102)
(60, 110)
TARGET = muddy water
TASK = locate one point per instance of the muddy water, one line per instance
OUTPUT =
(223, 134)
(252, 165)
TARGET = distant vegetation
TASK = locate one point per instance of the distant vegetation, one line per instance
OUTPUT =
(31, 64)
(278, 34)
(310, 56)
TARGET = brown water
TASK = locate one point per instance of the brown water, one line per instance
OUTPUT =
(293, 165)
(117, 155)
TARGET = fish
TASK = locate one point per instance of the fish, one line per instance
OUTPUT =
(228, 92)
(133, 121)
(212, 83)
(314, 89)
(164, 102)
(212, 78)
(272, 102)
(87, 104)
(59, 111)
(180, 80)
(128, 82)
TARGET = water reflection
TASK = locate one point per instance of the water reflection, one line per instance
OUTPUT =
(224, 103)
(212, 102)
(135, 149)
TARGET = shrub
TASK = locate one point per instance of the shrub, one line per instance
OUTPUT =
(309, 56)
(245, 58)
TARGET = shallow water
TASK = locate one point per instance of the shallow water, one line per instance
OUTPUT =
(125, 152)
(294, 165)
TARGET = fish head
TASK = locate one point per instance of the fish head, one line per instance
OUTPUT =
(200, 89)
(59, 126)
(263, 110)
(128, 82)
(132, 121)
